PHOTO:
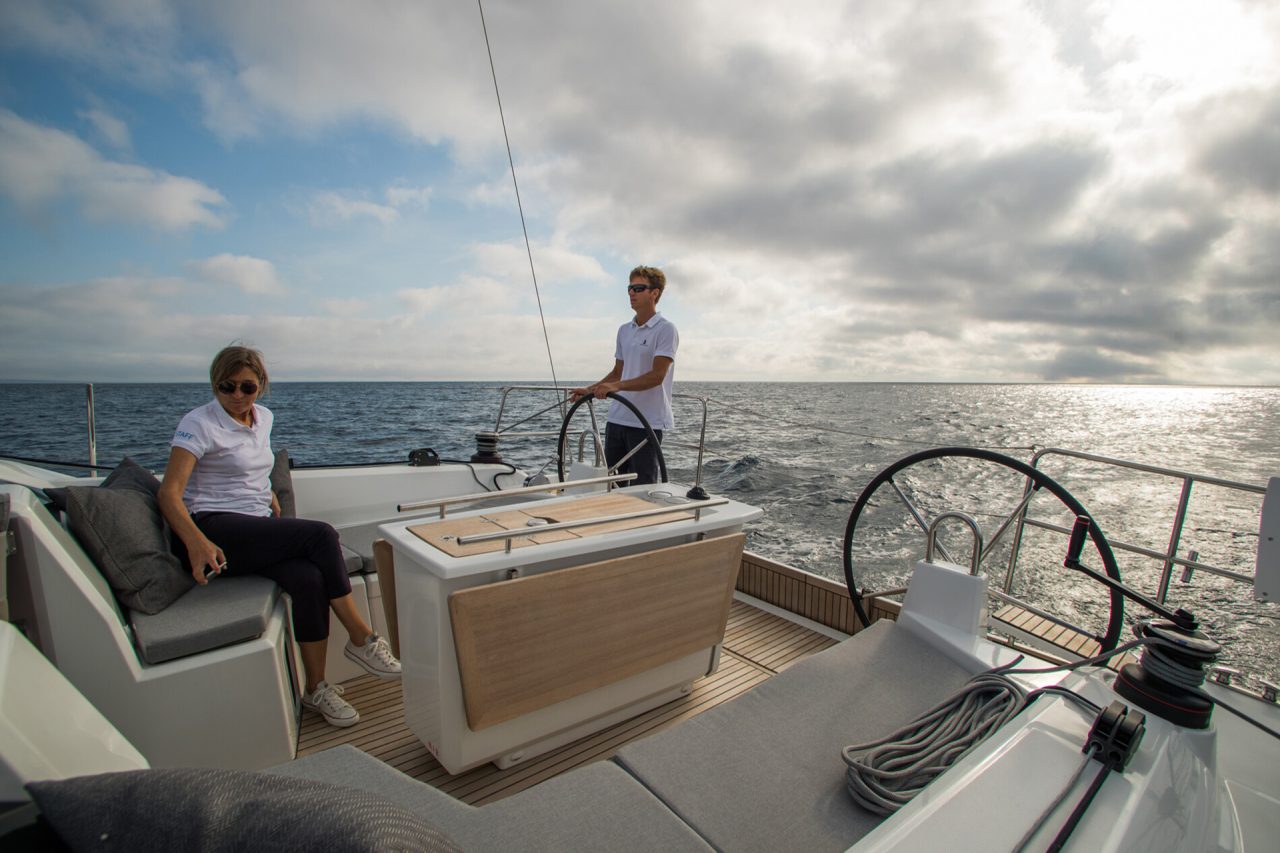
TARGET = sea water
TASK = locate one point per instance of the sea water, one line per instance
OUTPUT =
(803, 452)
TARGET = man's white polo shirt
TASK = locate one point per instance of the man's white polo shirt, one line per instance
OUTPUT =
(636, 348)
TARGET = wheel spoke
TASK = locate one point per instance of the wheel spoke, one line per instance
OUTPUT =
(1017, 511)
(920, 520)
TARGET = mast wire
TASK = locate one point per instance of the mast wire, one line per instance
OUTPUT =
(519, 206)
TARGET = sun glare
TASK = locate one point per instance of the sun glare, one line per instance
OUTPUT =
(1198, 44)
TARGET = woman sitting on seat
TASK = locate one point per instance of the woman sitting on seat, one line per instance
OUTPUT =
(216, 496)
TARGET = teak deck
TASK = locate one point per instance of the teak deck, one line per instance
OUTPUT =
(1063, 641)
(756, 645)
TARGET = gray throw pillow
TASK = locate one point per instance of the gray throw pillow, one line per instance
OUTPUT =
(282, 485)
(226, 810)
(127, 475)
(130, 475)
(122, 532)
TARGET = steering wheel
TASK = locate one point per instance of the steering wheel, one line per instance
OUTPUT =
(1037, 480)
(612, 395)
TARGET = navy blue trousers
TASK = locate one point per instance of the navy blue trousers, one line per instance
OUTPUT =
(301, 555)
(618, 441)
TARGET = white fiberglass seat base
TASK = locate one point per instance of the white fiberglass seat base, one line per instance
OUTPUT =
(49, 730)
(232, 707)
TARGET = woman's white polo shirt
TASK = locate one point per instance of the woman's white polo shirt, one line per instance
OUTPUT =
(233, 461)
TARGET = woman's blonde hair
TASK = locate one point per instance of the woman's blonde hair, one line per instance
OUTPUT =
(231, 360)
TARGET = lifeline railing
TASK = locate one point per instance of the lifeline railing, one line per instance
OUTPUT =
(562, 404)
(1169, 556)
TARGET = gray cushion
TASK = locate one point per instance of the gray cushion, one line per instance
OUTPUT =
(224, 611)
(231, 810)
(130, 475)
(121, 530)
(127, 475)
(282, 485)
(355, 562)
(764, 771)
(597, 807)
(361, 770)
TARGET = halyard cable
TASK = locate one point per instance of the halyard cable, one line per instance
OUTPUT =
(519, 206)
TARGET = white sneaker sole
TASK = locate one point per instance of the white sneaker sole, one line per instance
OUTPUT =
(356, 659)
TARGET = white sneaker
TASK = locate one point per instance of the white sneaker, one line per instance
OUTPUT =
(375, 656)
(328, 701)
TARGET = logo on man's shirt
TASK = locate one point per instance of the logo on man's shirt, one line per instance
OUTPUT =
(181, 434)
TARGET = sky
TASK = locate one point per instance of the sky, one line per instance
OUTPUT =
(978, 191)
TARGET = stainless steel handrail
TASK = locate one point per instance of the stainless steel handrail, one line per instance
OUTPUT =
(696, 507)
(1169, 556)
(976, 559)
(1188, 562)
(441, 503)
(93, 429)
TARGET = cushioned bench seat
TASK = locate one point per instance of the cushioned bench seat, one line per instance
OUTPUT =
(764, 771)
(597, 807)
(223, 612)
(356, 563)
(216, 656)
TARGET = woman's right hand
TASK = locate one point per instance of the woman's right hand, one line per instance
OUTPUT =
(207, 560)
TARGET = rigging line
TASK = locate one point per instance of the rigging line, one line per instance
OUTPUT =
(519, 206)
(820, 428)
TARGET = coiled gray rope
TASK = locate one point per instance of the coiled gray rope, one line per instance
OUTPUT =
(886, 774)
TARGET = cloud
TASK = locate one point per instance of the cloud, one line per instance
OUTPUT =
(402, 64)
(400, 196)
(123, 328)
(469, 297)
(1087, 364)
(1246, 156)
(990, 190)
(41, 166)
(331, 209)
(114, 131)
(246, 274)
(510, 262)
(168, 329)
(344, 307)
